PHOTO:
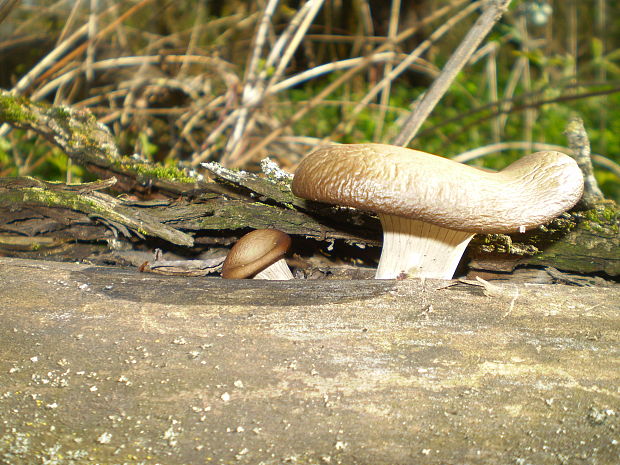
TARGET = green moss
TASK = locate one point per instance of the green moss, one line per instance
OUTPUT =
(590, 215)
(609, 214)
(169, 173)
(37, 195)
(532, 242)
(60, 113)
(13, 109)
(605, 216)
(155, 171)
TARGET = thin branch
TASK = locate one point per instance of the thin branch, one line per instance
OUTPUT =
(260, 39)
(300, 30)
(327, 68)
(6, 6)
(194, 36)
(385, 93)
(406, 63)
(491, 71)
(40, 67)
(366, 61)
(492, 12)
(529, 115)
(92, 33)
(46, 62)
(509, 90)
(537, 103)
(250, 92)
(280, 59)
(218, 64)
(479, 152)
(102, 33)
(71, 19)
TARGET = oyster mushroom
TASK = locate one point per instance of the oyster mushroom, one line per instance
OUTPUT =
(429, 206)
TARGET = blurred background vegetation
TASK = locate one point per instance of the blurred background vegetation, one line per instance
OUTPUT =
(237, 80)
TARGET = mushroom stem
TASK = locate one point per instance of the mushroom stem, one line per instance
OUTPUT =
(419, 249)
(278, 271)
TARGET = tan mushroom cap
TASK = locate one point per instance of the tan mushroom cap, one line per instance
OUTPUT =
(254, 252)
(413, 184)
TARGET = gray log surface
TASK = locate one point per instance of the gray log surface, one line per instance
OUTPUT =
(111, 366)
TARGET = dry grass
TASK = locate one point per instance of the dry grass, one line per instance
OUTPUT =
(195, 82)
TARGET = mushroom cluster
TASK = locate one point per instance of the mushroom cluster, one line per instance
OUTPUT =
(429, 206)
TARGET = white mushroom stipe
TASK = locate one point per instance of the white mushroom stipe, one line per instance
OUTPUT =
(416, 248)
(278, 271)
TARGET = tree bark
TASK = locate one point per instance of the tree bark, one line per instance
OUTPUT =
(37, 218)
(40, 219)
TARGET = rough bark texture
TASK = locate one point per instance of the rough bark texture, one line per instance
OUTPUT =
(579, 143)
(102, 365)
(18, 193)
(40, 219)
(43, 219)
(91, 145)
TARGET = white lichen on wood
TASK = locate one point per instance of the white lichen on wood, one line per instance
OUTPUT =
(273, 172)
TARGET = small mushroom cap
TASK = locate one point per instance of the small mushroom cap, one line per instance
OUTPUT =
(254, 252)
(413, 184)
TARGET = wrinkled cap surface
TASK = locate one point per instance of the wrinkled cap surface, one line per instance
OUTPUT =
(409, 183)
(254, 252)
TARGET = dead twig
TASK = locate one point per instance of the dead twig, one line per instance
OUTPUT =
(183, 267)
(87, 200)
(611, 88)
(478, 152)
(385, 94)
(318, 98)
(404, 65)
(563, 278)
(6, 6)
(492, 13)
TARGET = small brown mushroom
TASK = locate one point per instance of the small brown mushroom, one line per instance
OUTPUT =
(429, 206)
(259, 255)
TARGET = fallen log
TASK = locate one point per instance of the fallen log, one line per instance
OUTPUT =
(108, 365)
(195, 213)
(44, 219)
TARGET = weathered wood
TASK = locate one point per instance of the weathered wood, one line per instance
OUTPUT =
(579, 144)
(102, 365)
(35, 203)
(28, 192)
(90, 144)
(585, 242)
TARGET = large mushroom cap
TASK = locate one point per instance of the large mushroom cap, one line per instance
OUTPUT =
(413, 184)
(254, 252)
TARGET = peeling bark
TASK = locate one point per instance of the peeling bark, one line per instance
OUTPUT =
(190, 208)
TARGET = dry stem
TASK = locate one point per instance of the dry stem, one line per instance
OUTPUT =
(492, 12)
